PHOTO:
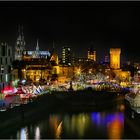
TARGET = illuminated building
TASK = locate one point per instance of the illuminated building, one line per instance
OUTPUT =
(54, 61)
(91, 54)
(5, 64)
(35, 54)
(66, 55)
(20, 46)
(124, 76)
(36, 69)
(115, 58)
(34, 65)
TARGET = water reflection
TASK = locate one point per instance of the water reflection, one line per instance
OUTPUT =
(75, 125)
(24, 133)
(59, 131)
(37, 133)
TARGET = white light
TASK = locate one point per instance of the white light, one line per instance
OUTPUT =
(37, 133)
(23, 134)
(23, 81)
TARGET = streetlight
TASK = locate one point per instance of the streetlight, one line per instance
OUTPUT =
(78, 71)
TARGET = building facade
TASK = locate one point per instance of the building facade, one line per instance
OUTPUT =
(20, 45)
(115, 58)
(92, 54)
(66, 55)
(6, 59)
(33, 66)
(37, 53)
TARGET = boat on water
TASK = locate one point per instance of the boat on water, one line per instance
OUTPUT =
(132, 99)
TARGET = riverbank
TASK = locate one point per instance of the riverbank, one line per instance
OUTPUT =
(57, 101)
(80, 99)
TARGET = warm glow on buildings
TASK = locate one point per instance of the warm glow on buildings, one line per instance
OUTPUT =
(115, 58)
(92, 54)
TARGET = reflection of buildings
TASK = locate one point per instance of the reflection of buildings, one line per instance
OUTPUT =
(76, 123)
(5, 64)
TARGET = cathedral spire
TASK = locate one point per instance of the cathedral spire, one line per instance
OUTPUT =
(20, 44)
(37, 45)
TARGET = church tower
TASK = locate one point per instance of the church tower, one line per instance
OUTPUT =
(54, 55)
(54, 61)
(92, 53)
(37, 49)
(20, 44)
(115, 58)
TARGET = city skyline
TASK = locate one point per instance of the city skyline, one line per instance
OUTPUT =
(76, 24)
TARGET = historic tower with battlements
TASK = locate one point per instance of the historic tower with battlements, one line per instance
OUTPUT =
(115, 58)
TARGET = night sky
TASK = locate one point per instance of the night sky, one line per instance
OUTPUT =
(76, 24)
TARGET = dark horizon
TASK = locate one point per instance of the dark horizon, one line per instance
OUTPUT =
(77, 24)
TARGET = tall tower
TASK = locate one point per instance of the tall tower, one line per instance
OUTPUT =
(92, 53)
(37, 46)
(37, 49)
(115, 58)
(54, 60)
(6, 58)
(20, 44)
(54, 55)
(66, 55)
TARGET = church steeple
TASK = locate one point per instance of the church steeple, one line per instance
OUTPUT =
(54, 56)
(37, 46)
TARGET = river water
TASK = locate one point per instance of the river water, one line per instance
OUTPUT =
(64, 124)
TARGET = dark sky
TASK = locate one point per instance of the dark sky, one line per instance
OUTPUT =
(77, 24)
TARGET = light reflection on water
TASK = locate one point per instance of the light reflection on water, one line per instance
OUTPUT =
(37, 133)
(76, 125)
(112, 122)
(23, 134)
